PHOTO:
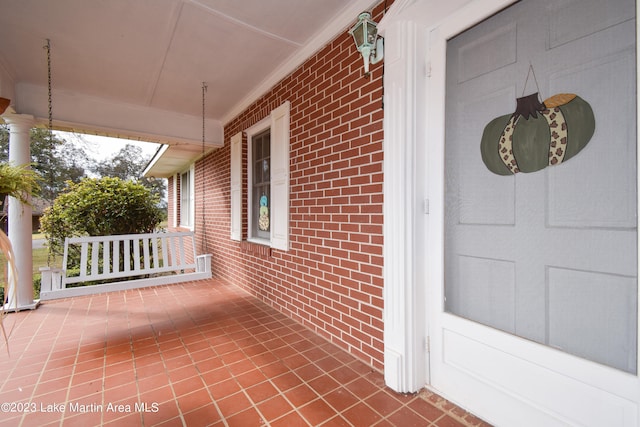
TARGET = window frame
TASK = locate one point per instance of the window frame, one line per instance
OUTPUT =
(187, 213)
(174, 194)
(278, 122)
(255, 130)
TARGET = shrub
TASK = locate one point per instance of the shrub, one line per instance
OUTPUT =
(100, 207)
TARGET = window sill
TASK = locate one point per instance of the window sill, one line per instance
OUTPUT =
(259, 241)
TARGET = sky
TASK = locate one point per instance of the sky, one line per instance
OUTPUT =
(102, 147)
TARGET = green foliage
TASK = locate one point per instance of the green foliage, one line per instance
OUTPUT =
(55, 160)
(18, 181)
(100, 207)
(59, 160)
(129, 163)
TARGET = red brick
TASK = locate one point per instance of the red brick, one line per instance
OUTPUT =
(331, 279)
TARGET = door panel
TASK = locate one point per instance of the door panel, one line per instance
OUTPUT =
(606, 82)
(572, 20)
(603, 304)
(549, 256)
(490, 201)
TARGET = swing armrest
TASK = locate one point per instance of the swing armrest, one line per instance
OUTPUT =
(51, 278)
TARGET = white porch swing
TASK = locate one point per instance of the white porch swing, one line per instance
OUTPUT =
(122, 262)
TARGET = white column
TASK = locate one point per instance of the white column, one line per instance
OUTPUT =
(405, 207)
(20, 215)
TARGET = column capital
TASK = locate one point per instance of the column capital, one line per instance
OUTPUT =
(21, 120)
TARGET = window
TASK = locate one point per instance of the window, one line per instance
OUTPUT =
(260, 190)
(186, 198)
(175, 204)
(268, 181)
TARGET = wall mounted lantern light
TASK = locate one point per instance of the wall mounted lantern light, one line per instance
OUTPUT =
(365, 35)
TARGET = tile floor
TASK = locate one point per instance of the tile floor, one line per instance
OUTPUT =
(192, 354)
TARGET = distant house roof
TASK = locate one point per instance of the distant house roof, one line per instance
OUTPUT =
(38, 206)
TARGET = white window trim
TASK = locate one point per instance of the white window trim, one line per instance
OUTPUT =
(174, 193)
(278, 123)
(236, 187)
(259, 127)
(191, 220)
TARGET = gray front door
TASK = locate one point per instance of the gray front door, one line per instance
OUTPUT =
(548, 255)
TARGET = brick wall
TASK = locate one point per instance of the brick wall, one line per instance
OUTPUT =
(331, 278)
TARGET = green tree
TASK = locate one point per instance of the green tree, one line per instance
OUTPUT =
(55, 160)
(129, 163)
(100, 207)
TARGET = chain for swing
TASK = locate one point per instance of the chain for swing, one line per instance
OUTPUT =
(50, 135)
(204, 228)
(50, 104)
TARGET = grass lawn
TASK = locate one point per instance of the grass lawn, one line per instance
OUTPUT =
(40, 256)
(39, 260)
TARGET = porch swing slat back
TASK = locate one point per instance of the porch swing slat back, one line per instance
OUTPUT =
(108, 258)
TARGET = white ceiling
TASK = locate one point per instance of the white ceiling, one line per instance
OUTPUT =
(157, 53)
(135, 68)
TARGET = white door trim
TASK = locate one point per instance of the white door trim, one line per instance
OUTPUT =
(408, 202)
(405, 345)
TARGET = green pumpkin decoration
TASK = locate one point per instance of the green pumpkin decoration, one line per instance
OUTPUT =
(538, 134)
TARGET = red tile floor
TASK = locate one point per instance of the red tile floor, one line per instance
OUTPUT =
(192, 354)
